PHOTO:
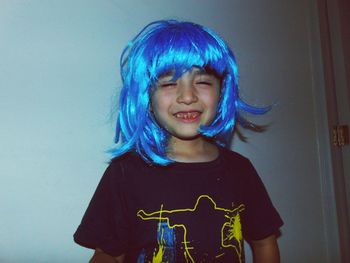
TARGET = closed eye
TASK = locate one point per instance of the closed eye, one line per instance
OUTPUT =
(167, 84)
(207, 83)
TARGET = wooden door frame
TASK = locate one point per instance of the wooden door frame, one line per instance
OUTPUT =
(336, 214)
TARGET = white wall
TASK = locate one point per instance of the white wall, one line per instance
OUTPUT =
(58, 80)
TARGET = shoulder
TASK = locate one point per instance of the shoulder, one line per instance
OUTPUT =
(127, 164)
(238, 165)
(126, 159)
(233, 157)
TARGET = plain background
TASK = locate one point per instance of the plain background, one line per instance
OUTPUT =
(59, 80)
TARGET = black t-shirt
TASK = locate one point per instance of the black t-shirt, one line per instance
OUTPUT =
(184, 212)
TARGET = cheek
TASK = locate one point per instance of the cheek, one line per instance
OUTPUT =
(154, 103)
(217, 95)
(158, 108)
(212, 99)
(160, 102)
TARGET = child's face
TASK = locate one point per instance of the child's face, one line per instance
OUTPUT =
(181, 106)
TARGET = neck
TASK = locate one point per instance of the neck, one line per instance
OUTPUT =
(197, 150)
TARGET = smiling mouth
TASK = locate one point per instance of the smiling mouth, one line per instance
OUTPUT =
(190, 116)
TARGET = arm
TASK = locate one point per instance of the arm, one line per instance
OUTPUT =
(101, 257)
(266, 250)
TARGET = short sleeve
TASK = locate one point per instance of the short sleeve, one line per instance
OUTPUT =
(104, 224)
(260, 219)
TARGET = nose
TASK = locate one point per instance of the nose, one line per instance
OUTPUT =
(187, 94)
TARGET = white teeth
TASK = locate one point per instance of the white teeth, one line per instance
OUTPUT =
(189, 115)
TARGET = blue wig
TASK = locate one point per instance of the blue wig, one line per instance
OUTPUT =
(172, 46)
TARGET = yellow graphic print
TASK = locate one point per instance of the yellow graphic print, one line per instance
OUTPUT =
(231, 232)
(158, 255)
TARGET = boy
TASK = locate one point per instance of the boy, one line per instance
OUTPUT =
(174, 192)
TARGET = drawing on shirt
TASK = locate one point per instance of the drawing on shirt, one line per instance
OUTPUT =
(229, 234)
(166, 246)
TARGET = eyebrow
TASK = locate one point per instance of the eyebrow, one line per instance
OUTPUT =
(165, 78)
(203, 73)
(166, 74)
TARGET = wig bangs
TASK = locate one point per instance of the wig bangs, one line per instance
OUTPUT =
(178, 50)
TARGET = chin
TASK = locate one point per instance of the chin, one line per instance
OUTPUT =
(187, 137)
